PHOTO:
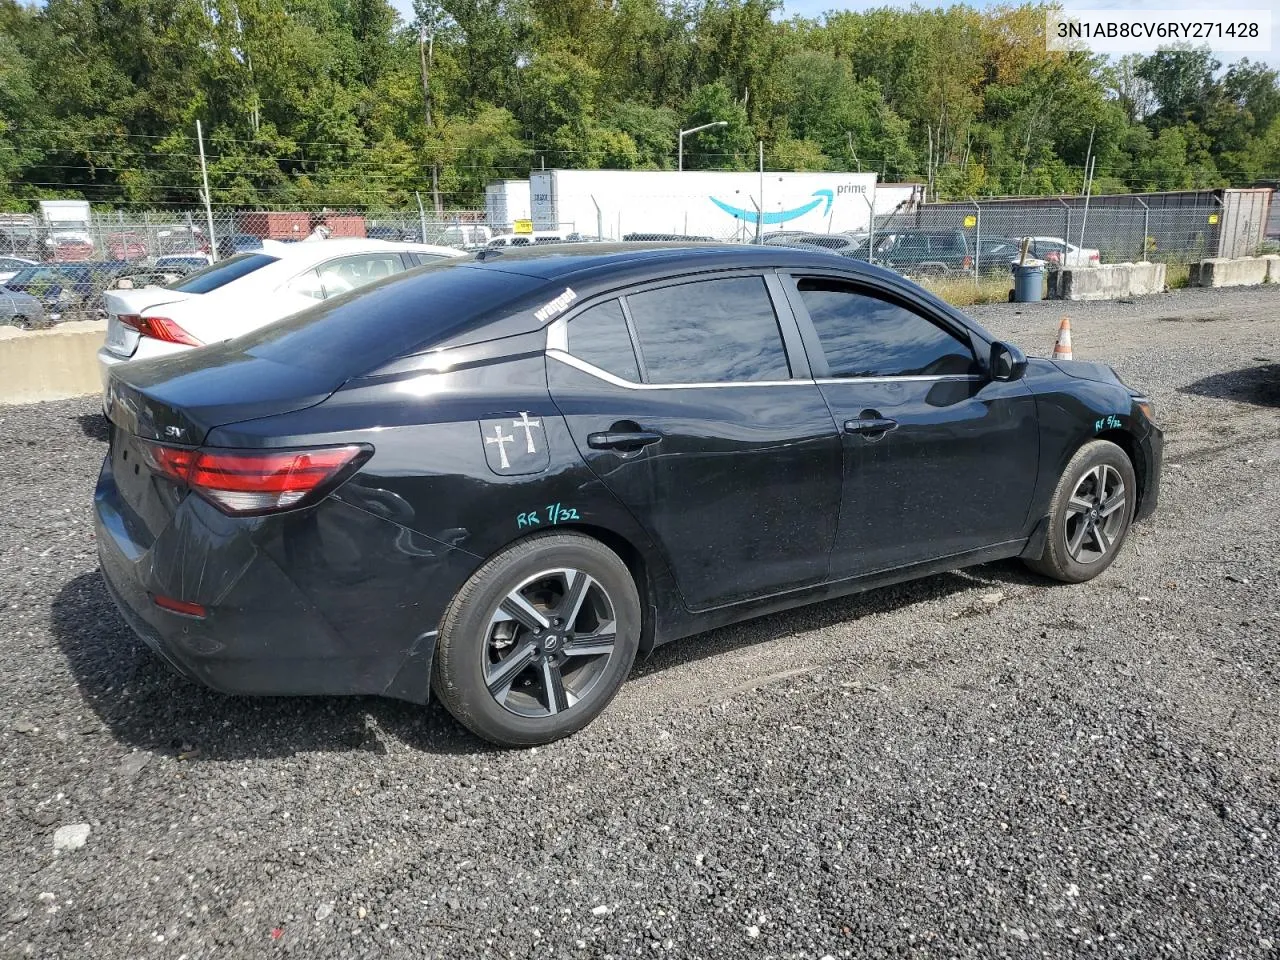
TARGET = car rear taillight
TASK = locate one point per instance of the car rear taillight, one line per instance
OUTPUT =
(248, 482)
(968, 262)
(1094, 258)
(158, 328)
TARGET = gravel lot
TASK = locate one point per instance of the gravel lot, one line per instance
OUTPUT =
(976, 764)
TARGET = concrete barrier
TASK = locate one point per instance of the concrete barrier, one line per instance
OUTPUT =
(1111, 281)
(1237, 272)
(50, 364)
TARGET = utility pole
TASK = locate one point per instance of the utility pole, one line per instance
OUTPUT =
(208, 205)
(1088, 154)
(426, 56)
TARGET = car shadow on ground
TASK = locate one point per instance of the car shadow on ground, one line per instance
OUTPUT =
(1258, 385)
(987, 577)
(94, 426)
(146, 706)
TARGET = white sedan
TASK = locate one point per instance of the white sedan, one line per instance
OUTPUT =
(248, 291)
(9, 266)
(1059, 251)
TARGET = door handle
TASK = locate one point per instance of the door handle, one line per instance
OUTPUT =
(873, 428)
(622, 439)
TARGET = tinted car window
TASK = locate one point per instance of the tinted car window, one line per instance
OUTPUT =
(711, 331)
(223, 272)
(352, 334)
(864, 336)
(599, 336)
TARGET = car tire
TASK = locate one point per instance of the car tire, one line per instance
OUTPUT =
(1089, 515)
(519, 678)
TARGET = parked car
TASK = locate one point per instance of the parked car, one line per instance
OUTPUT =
(783, 238)
(69, 249)
(502, 478)
(664, 238)
(925, 252)
(382, 232)
(21, 310)
(126, 246)
(1055, 250)
(247, 291)
(183, 263)
(182, 240)
(234, 243)
(464, 236)
(60, 288)
(537, 238)
(996, 254)
(11, 265)
(23, 244)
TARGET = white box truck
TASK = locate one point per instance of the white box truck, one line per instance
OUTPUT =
(505, 202)
(67, 218)
(612, 204)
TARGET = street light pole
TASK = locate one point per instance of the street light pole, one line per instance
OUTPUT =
(685, 133)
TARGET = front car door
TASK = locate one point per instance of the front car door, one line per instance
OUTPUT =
(691, 400)
(939, 460)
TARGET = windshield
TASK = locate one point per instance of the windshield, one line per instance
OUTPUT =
(223, 272)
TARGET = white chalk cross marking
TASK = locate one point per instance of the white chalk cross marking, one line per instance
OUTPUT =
(501, 439)
(527, 425)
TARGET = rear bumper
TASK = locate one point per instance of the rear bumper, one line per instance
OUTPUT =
(330, 601)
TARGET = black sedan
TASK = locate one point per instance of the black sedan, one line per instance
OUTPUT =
(501, 479)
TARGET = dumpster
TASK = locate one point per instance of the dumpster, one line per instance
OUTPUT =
(1028, 281)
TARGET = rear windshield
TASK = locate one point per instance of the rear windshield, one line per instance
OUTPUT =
(223, 272)
(359, 331)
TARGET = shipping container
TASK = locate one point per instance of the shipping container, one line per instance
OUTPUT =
(344, 225)
(275, 224)
(608, 204)
(505, 202)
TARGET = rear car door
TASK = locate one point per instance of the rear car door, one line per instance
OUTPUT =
(692, 402)
(938, 459)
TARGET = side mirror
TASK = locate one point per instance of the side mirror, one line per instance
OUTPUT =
(1007, 362)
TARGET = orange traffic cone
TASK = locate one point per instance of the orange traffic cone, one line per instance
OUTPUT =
(1062, 348)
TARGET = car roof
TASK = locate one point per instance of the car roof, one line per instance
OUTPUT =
(591, 268)
(562, 261)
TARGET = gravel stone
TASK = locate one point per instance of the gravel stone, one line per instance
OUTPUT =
(133, 764)
(71, 837)
(880, 776)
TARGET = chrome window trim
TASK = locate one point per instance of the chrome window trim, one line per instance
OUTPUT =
(557, 353)
(607, 377)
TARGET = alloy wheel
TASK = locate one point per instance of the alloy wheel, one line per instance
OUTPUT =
(549, 642)
(1095, 514)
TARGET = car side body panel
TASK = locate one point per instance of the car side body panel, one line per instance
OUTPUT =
(476, 447)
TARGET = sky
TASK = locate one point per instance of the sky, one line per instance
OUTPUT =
(814, 8)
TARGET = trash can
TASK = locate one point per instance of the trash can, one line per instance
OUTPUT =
(1028, 281)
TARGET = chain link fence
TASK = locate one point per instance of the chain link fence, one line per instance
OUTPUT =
(50, 274)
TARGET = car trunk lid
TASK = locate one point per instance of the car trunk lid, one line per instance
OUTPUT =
(179, 399)
(122, 339)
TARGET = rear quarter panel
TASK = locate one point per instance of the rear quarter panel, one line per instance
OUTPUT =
(433, 473)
